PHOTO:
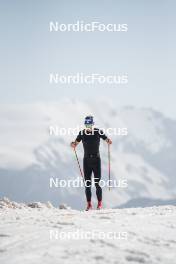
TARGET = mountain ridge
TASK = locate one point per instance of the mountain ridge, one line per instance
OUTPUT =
(145, 157)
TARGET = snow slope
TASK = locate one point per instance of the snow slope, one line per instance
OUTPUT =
(30, 235)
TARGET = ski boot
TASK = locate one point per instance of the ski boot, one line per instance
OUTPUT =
(89, 206)
(99, 206)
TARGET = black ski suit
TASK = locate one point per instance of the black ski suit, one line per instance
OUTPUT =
(92, 160)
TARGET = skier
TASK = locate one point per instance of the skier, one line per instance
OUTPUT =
(90, 137)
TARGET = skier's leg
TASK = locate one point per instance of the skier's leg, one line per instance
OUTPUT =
(97, 178)
(87, 175)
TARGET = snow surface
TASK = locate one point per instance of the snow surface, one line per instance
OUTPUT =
(25, 235)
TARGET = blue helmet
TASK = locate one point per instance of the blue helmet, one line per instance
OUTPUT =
(89, 120)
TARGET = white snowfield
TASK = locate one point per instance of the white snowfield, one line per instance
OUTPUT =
(39, 233)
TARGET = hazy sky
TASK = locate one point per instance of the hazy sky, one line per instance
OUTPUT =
(29, 52)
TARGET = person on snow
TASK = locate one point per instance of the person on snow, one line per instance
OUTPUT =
(90, 138)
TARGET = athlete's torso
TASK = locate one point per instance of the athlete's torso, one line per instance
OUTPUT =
(91, 141)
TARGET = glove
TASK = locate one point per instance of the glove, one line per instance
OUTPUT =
(73, 144)
(109, 141)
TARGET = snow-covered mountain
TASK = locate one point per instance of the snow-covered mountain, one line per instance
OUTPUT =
(30, 155)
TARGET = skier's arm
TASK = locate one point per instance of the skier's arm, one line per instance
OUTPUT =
(76, 142)
(104, 137)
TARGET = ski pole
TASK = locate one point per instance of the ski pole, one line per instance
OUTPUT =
(78, 163)
(109, 164)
